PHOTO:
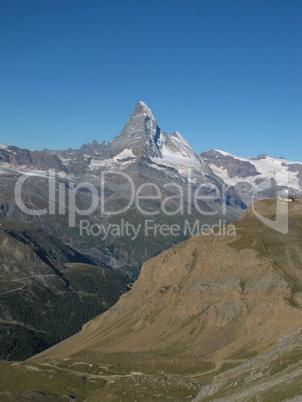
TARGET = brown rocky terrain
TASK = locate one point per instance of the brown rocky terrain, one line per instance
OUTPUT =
(212, 318)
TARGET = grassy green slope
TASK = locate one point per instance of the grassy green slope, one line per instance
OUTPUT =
(285, 250)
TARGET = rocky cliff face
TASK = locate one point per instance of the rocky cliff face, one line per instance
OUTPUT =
(140, 135)
(234, 167)
(204, 296)
(41, 160)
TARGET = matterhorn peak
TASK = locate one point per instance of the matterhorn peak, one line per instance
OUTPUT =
(142, 108)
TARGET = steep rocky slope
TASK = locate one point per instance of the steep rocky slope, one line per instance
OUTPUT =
(212, 290)
(215, 317)
(47, 290)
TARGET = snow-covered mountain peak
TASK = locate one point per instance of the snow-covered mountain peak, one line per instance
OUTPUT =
(218, 153)
(144, 140)
(140, 133)
(142, 108)
(223, 152)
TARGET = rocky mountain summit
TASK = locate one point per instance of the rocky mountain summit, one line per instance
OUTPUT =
(142, 138)
(140, 145)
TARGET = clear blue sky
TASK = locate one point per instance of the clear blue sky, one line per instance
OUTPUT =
(227, 74)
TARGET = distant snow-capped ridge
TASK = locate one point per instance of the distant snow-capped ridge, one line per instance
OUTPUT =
(248, 175)
(140, 143)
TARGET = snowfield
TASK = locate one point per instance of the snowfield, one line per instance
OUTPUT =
(267, 168)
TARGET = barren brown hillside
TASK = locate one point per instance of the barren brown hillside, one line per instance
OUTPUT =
(213, 305)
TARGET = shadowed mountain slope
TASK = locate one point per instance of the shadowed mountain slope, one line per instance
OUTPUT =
(47, 290)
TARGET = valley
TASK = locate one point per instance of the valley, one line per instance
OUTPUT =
(47, 290)
(220, 322)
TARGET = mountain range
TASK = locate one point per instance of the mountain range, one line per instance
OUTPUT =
(144, 174)
(143, 148)
(215, 314)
